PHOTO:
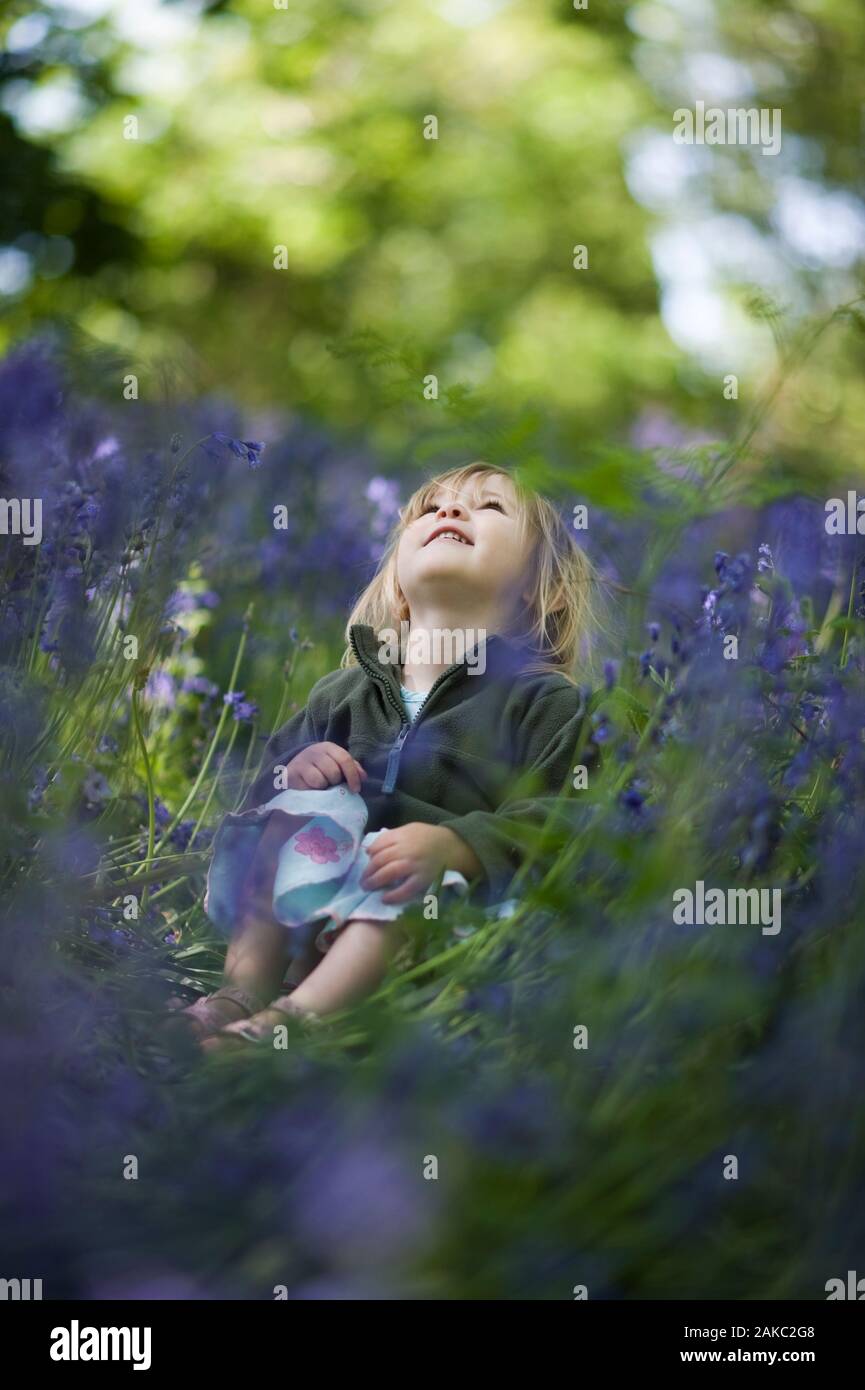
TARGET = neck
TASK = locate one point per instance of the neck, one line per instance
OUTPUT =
(437, 638)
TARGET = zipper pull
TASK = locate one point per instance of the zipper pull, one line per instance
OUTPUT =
(393, 759)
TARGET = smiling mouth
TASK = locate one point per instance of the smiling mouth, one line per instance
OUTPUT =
(449, 536)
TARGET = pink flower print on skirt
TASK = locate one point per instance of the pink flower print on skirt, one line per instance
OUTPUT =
(321, 847)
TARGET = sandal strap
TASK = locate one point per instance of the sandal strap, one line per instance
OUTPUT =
(306, 1016)
(250, 1003)
(249, 1037)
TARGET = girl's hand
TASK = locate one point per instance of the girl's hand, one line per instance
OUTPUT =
(416, 853)
(323, 765)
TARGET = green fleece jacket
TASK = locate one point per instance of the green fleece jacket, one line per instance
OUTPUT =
(486, 756)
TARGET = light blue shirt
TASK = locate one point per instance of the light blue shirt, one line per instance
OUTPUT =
(412, 701)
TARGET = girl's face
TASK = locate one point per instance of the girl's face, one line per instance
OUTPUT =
(488, 562)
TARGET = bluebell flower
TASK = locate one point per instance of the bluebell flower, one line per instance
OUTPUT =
(737, 572)
(95, 789)
(161, 813)
(181, 834)
(248, 449)
(200, 685)
(180, 602)
(632, 799)
(160, 689)
(384, 495)
(37, 791)
(242, 710)
(601, 732)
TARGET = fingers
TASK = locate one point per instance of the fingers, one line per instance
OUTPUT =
(325, 764)
(412, 888)
(310, 778)
(386, 871)
(385, 848)
(350, 768)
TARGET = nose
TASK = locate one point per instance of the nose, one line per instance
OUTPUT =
(451, 509)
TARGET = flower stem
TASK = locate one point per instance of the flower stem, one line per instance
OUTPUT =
(217, 734)
(151, 800)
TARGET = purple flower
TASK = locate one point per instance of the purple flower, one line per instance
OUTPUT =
(390, 1219)
(249, 449)
(37, 791)
(95, 789)
(180, 602)
(601, 732)
(766, 563)
(384, 495)
(160, 689)
(181, 834)
(632, 798)
(200, 685)
(161, 813)
(242, 710)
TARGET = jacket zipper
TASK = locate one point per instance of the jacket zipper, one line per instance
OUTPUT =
(406, 725)
(393, 759)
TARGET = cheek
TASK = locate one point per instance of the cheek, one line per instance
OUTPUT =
(505, 549)
(404, 556)
(512, 556)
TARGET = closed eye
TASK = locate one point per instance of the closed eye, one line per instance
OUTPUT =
(493, 502)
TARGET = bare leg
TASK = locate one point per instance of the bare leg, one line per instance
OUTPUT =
(354, 967)
(257, 955)
(258, 952)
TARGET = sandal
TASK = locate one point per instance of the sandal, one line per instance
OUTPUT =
(205, 1020)
(285, 1005)
(240, 1029)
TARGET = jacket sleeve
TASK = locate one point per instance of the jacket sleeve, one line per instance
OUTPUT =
(301, 730)
(552, 733)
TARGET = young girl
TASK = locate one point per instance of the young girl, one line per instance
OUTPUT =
(411, 768)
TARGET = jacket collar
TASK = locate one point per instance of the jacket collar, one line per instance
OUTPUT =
(503, 656)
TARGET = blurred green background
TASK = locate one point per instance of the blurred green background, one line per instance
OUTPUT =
(301, 125)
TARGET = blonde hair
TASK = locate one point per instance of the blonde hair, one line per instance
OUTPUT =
(556, 622)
